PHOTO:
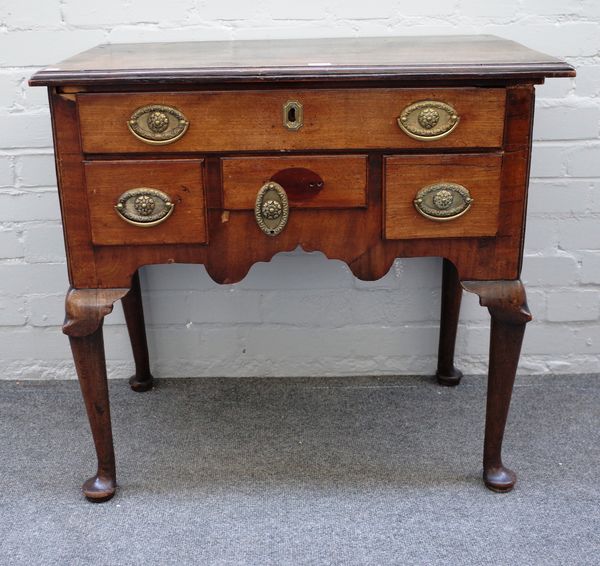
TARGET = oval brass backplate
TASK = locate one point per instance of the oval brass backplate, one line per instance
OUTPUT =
(443, 201)
(428, 120)
(157, 124)
(144, 207)
(271, 209)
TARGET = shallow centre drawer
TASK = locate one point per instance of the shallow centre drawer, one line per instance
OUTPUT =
(146, 201)
(275, 120)
(332, 181)
(441, 196)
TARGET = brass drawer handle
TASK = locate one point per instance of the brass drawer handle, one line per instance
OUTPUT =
(443, 201)
(144, 207)
(428, 120)
(293, 115)
(157, 124)
(271, 209)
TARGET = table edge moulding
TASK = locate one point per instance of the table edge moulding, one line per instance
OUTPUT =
(226, 153)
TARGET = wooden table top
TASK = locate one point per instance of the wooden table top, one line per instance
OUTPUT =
(393, 58)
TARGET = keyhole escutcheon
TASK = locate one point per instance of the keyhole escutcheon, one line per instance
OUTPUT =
(293, 115)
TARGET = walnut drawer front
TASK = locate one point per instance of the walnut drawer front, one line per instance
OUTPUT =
(309, 181)
(209, 121)
(180, 180)
(444, 177)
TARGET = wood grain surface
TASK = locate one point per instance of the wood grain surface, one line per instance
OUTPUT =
(405, 175)
(253, 120)
(344, 180)
(404, 58)
(353, 236)
(180, 179)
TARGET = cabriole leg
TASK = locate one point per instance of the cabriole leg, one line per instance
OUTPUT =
(446, 373)
(507, 303)
(85, 312)
(134, 316)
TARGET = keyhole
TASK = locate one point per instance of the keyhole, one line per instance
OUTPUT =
(292, 115)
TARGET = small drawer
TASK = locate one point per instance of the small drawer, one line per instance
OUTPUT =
(309, 182)
(146, 202)
(276, 120)
(441, 196)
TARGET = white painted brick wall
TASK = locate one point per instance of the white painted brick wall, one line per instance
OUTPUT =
(302, 314)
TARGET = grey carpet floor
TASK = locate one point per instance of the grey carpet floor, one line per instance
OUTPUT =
(351, 471)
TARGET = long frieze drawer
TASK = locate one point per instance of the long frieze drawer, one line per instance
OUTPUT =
(441, 196)
(309, 181)
(146, 202)
(291, 120)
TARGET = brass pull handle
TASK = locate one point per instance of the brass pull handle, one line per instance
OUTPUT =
(428, 120)
(443, 201)
(293, 115)
(157, 124)
(144, 207)
(271, 209)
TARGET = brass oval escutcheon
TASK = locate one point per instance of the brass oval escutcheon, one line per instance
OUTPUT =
(293, 115)
(157, 124)
(443, 201)
(272, 208)
(144, 207)
(428, 120)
